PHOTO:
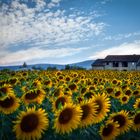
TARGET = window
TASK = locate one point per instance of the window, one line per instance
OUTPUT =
(107, 63)
(115, 64)
(124, 64)
(133, 63)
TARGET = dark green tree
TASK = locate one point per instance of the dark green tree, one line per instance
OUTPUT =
(24, 65)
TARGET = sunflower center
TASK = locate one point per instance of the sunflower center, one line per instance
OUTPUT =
(86, 110)
(88, 95)
(67, 79)
(8, 102)
(136, 92)
(118, 93)
(61, 100)
(83, 90)
(114, 82)
(109, 90)
(120, 119)
(72, 86)
(139, 105)
(65, 116)
(124, 99)
(12, 81)
(137, 119)
(107, 130)
(100, 106)
(3, 89)
(79, 99)
(29, 123)
(31, 95)
(128, 92)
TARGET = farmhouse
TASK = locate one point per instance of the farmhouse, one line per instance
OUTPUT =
(118, 62)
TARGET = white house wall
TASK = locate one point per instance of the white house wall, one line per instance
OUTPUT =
(98, 68)
(131, 66)
(138, 67)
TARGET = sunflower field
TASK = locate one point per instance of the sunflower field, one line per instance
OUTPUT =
(70, 105)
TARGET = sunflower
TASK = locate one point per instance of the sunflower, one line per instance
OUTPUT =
(67, 119)
(114, 81)
(73, 87)
(68, 79)
(117, 94)
(128, 92)
(13, 81)
(83, 90)
(48, 83)
(88, 94)
(137, 104)
(31, 124)
(123, 119)
(89, 110)
(9, 104)
(36, 84)
(5, 90)
(103, 103)
(136, 122)
(92, 88)
(136, 93)
(58, 91)
(109, 131)
(60, 101)
(109, 90)
(36, 95)
(124, 99)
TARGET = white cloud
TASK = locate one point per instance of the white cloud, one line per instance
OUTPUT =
(105, 1)
(122, 36)
(38, 53)
(54, 3)
(123, 49)
(23, 24)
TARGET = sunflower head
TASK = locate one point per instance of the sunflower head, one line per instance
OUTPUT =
(9, 104)
(137, 104)
(13, 81)
(73, 87)
(88, 95)
(31, 124)
(60, 101)
(124, 99)
(123, 119)
(5, 90)
(136, 93)
(103, 106)
(67, 119)
(109, 90)
(136, 121)
(109, 131)
(88, 112)
(36, 95)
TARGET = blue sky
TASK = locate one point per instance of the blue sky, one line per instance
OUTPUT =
(67, 31)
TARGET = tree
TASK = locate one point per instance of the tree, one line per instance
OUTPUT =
(24, 65)
(67, 67)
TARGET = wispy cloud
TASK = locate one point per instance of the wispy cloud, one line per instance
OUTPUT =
(39, 54)
(19, 23)
(125, 48)
(105, 1)
(122, 36)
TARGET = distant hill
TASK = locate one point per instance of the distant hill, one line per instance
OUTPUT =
(84, 64)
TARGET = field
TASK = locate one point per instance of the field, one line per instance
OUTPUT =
(69, 105)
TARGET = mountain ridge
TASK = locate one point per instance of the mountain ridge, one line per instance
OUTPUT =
(84, 64)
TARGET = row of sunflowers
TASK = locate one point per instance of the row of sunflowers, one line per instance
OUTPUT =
(69, 105)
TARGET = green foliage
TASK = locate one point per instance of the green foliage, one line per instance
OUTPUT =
(51, 68)
(68, 67)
